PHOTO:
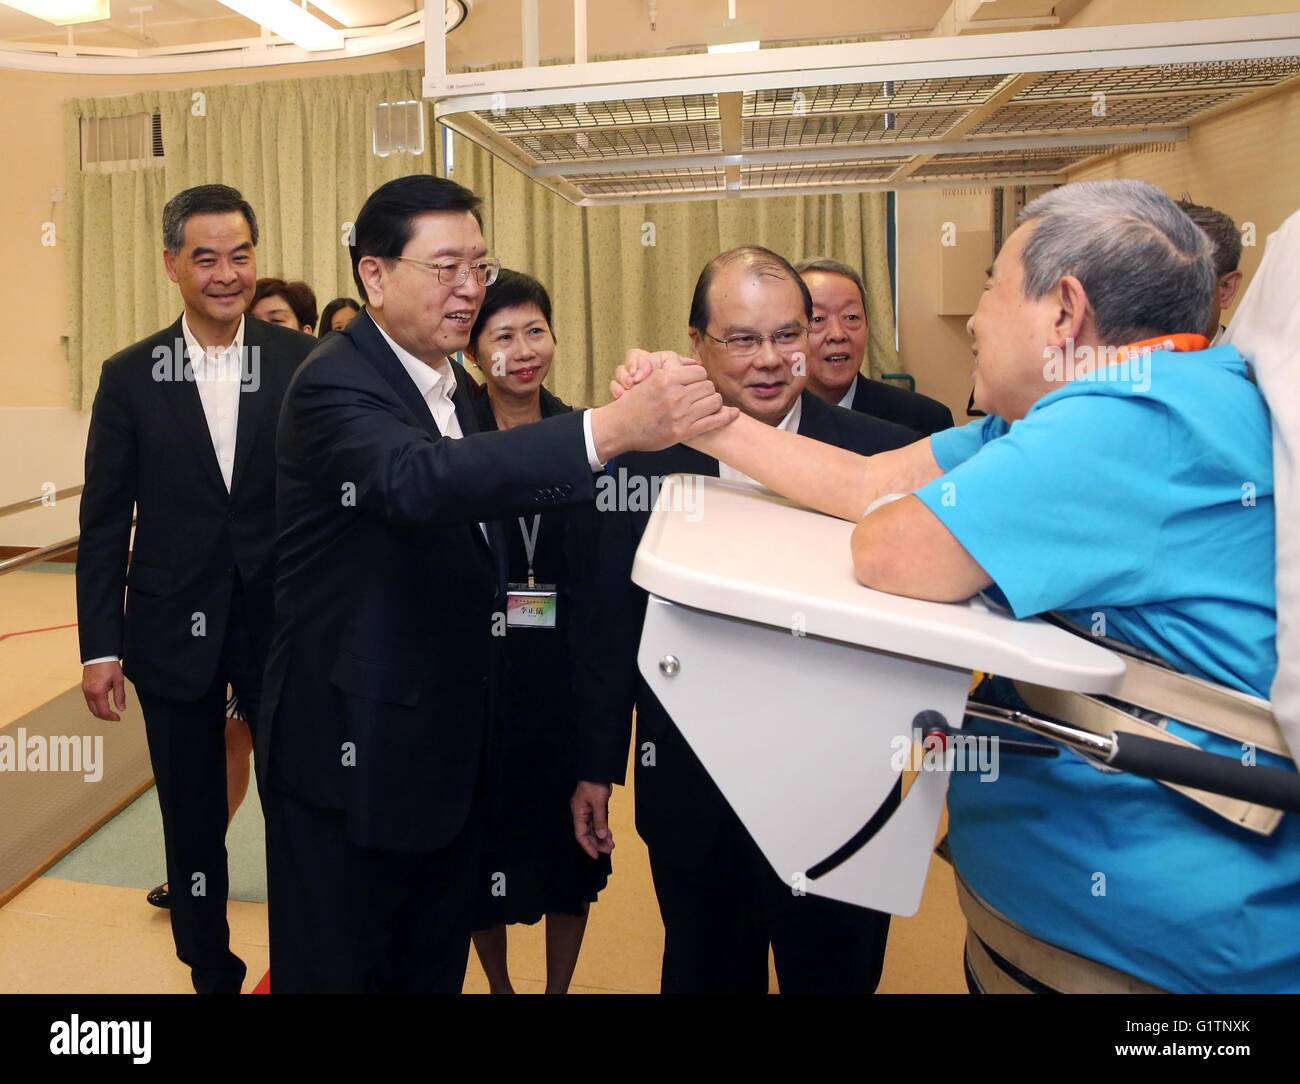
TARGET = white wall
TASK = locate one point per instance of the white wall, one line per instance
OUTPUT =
(40, 445)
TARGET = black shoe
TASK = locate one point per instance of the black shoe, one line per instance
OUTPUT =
(160, 896)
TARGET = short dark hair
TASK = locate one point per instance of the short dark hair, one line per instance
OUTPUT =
(298, 295)
(205, 199)
(828, 266)
(383, 227)
(1222, 232)
(762, 259)
(327, 317)
(511, 288)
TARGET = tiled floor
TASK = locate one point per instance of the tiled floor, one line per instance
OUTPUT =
(85, 926)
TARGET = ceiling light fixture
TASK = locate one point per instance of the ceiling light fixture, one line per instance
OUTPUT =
(362, 13)
(288, 20)
(62, 12)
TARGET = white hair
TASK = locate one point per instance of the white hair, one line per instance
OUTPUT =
(1146, 267)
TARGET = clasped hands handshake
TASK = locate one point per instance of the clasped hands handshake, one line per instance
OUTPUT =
(660, 399)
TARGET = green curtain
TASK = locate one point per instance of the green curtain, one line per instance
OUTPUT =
(300, 151)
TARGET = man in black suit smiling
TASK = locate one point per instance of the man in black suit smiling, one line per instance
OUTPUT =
(183, 433)
(391, 597)
(837, 350)
(721, 902)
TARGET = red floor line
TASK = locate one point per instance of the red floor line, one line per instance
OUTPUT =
(29, 632)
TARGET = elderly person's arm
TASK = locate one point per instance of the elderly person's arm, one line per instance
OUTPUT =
(828, 479)
(901, 547)
(831, 480)
(904, 549)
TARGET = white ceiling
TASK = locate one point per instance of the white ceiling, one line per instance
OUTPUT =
(177, 22)
(492, 34)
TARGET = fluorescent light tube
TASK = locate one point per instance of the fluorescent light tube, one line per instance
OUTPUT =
(288, 20)
(62, 12)
(735, 47)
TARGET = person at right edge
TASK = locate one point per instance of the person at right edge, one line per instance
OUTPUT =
(1132, 494)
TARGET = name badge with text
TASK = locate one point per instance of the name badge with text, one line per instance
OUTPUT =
(531, 607)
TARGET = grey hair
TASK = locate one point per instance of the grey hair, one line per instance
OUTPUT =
(205, 199)
(1146, 268)
(834, 267)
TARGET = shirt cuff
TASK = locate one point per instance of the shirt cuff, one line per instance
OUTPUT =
(105, 658)
(592, 458)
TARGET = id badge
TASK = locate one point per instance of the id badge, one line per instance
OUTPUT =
(531, 607)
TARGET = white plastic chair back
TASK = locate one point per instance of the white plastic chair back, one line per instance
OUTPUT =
(1266, 329)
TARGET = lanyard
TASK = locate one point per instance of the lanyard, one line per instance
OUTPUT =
(1182, 343)
(530, 543)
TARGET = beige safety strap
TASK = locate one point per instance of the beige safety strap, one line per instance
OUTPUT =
(1202, 704)
(1097, 717)
(1056, 968)
(989, 977)
(1231, 714)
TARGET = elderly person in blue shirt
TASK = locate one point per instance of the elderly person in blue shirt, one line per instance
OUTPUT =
(1122, 478)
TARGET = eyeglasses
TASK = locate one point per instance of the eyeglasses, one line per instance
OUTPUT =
(454, 273)
(747, 344)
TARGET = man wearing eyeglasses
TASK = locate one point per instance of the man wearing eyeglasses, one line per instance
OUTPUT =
(722, 904)
(391, 598)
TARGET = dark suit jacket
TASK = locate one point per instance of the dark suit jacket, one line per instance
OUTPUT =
(678, 808)
(384, 653)
(895, 404)
(149, 450)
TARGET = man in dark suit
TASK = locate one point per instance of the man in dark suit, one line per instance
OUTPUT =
(837, 348)
(182, 433)
(391, 599)
(721, 902)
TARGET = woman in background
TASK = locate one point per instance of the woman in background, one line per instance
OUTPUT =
(290, 304)
(532, 866)
(337, 315)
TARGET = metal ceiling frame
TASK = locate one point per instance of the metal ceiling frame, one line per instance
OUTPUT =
(459, 99)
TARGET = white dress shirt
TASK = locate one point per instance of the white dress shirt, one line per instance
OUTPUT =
(216, 376)
(847, 401)
(436, 385)
(790, 423)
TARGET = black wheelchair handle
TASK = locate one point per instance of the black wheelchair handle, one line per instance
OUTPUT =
(1201, 770)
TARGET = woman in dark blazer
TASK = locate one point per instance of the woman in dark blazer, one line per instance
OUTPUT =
(532, 866)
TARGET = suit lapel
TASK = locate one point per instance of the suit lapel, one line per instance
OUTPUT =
(375, 347)
(864, 398)
(376, 350)
(254, 399)
(815, 419)
(495, 543)
(182, 397)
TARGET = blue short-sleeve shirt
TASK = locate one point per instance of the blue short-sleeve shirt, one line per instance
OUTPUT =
(1137, 502)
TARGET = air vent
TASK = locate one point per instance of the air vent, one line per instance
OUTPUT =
(111, 144)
